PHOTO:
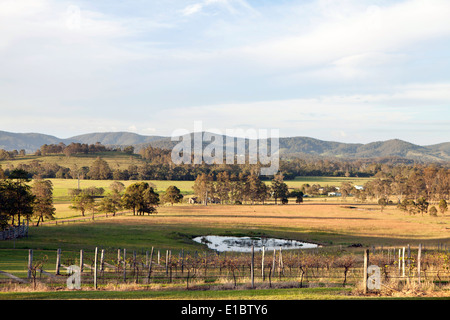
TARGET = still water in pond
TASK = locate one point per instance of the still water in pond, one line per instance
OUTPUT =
(244, 244)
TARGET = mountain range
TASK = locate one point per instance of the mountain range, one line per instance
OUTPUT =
(289, 146)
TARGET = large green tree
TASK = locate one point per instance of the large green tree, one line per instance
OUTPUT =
(256, 190)
(279, 188)
(204, 187)
(16, 201)
(422, 205)
(141, 198)
(99, 170)
(172, 195)
(83, 202)
(43, 204)
(443, 207)
(298, 195)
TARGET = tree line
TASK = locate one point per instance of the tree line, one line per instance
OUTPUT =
(239, 189)
(156, 164)
(20, 201)
(139, 197)
(9, 155)
(424, 189)
(418, 190)
(77, 148)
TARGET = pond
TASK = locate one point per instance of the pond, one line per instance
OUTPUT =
(244, 244)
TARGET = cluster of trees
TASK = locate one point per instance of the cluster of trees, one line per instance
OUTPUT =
(99, 170)
(422, 206)
(429, 182)
(237, 189)
(73, 148)
(156, 155)
(420, 189)
(156, 164)
(19, 200)
(140, 197)
(9, 155)
(414, 191)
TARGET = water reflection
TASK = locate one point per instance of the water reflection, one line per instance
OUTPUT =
(244, 244)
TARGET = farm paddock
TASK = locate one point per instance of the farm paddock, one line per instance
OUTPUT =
(126, 262)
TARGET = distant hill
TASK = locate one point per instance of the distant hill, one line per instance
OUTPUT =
(29, 142)
(381, 149)
(289, 146)
(114, 138)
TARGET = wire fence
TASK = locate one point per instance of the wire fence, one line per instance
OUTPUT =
(297, 268)
(14, 232)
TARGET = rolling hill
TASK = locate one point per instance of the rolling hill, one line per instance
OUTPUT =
(289, 146)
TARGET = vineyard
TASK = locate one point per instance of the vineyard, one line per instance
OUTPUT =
(427, 267)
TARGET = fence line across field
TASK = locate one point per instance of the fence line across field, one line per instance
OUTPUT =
(161, 266)
(15, 232)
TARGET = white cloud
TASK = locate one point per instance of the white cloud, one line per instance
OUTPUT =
(307, 66)
(349, 118)
(192, 9)
(364, 30)
(230, 6)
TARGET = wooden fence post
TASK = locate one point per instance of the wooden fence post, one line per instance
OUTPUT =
(403, 262)
(124, 265)
(280, 264)
(150, 266)
(262, 263)
(167, 262)
(170, 265)
(182, 261)
(273, 262)
(95, 268)
(366, 264)
(134, 262)
(419, 258)
(252, 269)
(30, 263)
(81, 260)
(58, 261)
(118, 260)
(102, 260)
(409, 256)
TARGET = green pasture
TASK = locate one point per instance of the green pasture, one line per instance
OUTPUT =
(62, 199)
(116, 160)
(258, 294)
(325, 181)
(62, 186)
(173, 228)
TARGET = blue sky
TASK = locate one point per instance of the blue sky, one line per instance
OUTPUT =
(342, 70)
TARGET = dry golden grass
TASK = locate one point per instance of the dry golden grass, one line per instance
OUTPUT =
(322, 223)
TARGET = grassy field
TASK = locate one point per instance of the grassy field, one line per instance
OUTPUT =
(331, 224)
(116, 160)
(173, 228)
(62, 186)
(62, 200)
(325, 181)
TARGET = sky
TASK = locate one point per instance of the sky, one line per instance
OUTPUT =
(353, 71)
